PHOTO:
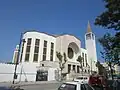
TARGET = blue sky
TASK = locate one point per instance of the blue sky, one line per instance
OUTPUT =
(51, 16)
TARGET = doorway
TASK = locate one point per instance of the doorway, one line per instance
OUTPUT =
(42, 75)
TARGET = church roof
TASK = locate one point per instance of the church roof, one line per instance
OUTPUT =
(52, 34)
(67, 34)
(89, 28)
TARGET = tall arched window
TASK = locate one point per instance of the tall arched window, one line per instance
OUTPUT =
(88, 36)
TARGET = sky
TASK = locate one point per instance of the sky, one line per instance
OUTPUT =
(51, 16)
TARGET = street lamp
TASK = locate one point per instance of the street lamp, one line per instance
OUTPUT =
(18, 55)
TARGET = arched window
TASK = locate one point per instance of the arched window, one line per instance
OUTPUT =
(70, 53)
(88, 36)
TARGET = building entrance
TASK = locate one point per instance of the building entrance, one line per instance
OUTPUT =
(42, 75)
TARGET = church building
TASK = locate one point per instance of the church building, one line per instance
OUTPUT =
(39, 50)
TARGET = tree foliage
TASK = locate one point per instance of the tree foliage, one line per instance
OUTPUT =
(116, 48)
(62, 60)
(107, 42)
(111, 48)
(80, 60)
(110, 18)
(109, 52)
(100, 68)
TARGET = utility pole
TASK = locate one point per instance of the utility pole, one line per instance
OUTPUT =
(17, 61)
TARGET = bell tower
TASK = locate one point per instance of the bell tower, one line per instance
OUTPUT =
(91, 48)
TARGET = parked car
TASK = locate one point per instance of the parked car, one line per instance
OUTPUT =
(75, 85)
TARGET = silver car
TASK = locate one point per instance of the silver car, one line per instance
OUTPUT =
(75, 86)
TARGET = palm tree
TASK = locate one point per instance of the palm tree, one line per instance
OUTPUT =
(80, 60)
(62, 60)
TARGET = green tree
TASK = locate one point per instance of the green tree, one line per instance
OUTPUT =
(100, 68)
(116, 48)
(80, 60)
(107, 42)
(110, 18)
(62, 61)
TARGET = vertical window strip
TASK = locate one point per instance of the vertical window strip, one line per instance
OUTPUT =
(78, 69)
(69, 68)
(52, 51)
(36, 50)
(28, 49)
(74, 68)
(44, 50)
(86, 59)
(83, 58)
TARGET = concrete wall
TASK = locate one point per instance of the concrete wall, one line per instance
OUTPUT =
(29, 71)
(51, 74)
(48, 63)
(7, 70)
(117, 69)
(25, 71)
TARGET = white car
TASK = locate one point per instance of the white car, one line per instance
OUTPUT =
(75, 86)
(82, 78)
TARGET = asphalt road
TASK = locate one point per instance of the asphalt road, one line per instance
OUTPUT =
(42, 86)
(4, 88)
(50, 86)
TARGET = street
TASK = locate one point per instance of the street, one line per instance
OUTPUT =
(43, 86)
(38, 86)
(50, 86)
(4, 88)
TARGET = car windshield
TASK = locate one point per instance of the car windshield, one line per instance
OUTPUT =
(88, 87)
(85, 77)
(79, 78)
(65, 86)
